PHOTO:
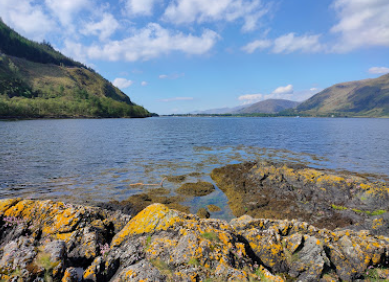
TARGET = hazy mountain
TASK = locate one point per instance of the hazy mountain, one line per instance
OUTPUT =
(219, 111)
(368, 97)
(270, 106)
(38, 81)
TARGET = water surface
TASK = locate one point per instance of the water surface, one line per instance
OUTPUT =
(95, 160)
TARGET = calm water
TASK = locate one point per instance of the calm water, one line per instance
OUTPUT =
(96, 160)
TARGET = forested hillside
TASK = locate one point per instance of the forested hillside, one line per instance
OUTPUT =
(38, 81)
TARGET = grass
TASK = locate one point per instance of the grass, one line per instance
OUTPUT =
(32, 90)
(370, 213)
(341, 208)
(211, 236)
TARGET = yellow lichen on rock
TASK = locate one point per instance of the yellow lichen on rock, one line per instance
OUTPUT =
(153, 218)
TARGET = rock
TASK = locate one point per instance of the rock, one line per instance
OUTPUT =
(162, 244)
(136, 203)
(203, 213)
(213, 208)
(323, 198)
(71, 275)
(197, 189)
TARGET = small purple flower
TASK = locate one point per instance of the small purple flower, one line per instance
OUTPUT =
(104, 248)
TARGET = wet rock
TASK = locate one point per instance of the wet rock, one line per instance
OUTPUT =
(197, 189)
(324, 198)
(213, 208)
(203, 213)
(136, 203)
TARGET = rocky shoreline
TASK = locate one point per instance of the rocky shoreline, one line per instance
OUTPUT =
(53, 241)
(323, 198)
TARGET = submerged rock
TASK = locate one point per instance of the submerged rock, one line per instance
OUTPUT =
(323, 198)
(197, 189)
(213, 208)
(203, 213)
(43, 240)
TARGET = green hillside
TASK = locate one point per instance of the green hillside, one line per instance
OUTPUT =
(368, 98)
(38, 81)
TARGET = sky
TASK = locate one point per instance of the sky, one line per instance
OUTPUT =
(180, 56)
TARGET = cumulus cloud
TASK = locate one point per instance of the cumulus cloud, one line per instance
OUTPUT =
(140, 7)
(143, 83)
(66, 10)
(284, 89)
(27, 18)
(122, 83)
(257, 44)
(177, 99)
(151, 42)
(103, 29)
(189, 11)
(250, 98)
(378, 70)
(361, 24)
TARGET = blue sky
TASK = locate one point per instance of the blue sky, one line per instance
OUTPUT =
(179, 56)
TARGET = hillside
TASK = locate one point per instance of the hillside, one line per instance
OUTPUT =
(368, 97)
(38, 81)
(270, 106)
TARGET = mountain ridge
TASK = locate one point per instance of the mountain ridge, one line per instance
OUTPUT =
(37, 81)
(367, 97)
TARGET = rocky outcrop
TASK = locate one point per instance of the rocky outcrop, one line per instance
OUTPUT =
(325, 199)
(51, 241)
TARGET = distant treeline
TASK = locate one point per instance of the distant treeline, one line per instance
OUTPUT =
(286, 113)
(13, 44)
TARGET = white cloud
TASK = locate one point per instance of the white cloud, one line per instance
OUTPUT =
(122, 83)
(378, 70)
(103, 29)
(289, 43)
(177, 99)
(27, 18)
(189, 11)
(151, 42)
(362, 23)
(140, 7)
(257, 44)
(75, 50)
(171, 76)
(282, 92)
(303, 95)
(250, 98)
(66, 10)
(284, 89)
(143, 83)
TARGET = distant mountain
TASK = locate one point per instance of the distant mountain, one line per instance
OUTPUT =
(368, 97)
(218, 111)
(270, 106)
(38, 81)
